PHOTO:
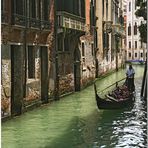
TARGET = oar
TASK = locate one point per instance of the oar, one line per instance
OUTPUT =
(113, 84)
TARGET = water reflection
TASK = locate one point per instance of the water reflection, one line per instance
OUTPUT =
(126, 128)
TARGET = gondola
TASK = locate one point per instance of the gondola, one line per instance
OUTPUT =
(109, 102)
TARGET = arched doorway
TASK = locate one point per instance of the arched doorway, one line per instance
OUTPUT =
(77, 74)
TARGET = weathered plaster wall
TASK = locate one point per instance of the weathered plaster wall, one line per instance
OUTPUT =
(88, 61)
(5, 79)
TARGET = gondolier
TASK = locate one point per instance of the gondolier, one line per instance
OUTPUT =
(130, 78)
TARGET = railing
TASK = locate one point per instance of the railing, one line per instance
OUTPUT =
(40, 24)
(31, 22)
(45, 25)
(34, 23)
(70, 21)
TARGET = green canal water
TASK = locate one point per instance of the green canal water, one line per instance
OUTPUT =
(76, 122)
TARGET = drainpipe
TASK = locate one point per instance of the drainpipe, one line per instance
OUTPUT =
(117, 42)
(95, 39)
(25, 51)
(144, 80)
(56, 85)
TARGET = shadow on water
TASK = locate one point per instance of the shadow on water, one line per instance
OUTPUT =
(102, 129)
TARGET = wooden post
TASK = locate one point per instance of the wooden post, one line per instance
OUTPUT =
(144, 80)
(56, 85)
(16, 79)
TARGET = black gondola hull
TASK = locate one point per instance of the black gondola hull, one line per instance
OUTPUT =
(103, 103)
(108, 104)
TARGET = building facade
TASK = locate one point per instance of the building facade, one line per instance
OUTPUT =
(54, 47)
(111, 34)
(136, 50)
(75, 45)
(25, 29)
(47, 49)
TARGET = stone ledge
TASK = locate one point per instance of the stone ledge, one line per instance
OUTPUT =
(31, 105)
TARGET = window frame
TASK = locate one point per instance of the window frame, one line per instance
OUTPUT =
(129, 29)
(129, 7)
(129, 45)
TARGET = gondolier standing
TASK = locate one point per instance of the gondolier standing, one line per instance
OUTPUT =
(130, 78)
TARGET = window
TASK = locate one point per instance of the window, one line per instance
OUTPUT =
(32, 7)
(105, 40)
(4, 11)
(83, 49)
(129, 6)
(129, 29)
(18, 12)
(135, 29)
(141, 54)
(66, 44)
(3, 5)
(141, 45)
(129, 45)
(135, 55)
(135, 44)
(106, 9)
(103, 7)
(129, 54)
(31, 62)
(46, 9)
(18, 7)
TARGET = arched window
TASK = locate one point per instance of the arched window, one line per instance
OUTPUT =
(129, 44)
(135, 29)
(129, 29)
(135, 44)
(129, 6)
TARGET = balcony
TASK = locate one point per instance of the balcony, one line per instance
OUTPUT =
(118, 30)
(70, 21)
(32, 23)
(39, 24)
(45, 25)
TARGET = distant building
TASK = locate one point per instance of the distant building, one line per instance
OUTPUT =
(136, 50)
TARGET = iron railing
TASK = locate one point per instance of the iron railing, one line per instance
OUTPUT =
(20, 20)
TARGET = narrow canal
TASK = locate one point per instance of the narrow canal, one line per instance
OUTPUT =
(75, 122)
